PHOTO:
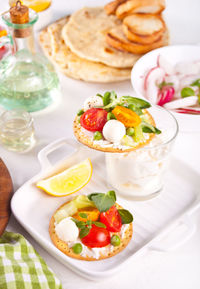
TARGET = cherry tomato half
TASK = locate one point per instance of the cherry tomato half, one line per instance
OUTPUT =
(94, 119)
(97, 237)
(111, 219)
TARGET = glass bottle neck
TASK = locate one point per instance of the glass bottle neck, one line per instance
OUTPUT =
(23, 39)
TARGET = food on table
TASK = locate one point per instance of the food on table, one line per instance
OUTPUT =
(79, 233)
(68, 181)
(176, 87)
(140, 6)
(72, 65)
(91, 25)
(91, 44)
(111, 7)
(117, 39)
(114, 124)
(143, 28)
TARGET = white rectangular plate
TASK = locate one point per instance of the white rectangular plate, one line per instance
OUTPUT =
(153, 219)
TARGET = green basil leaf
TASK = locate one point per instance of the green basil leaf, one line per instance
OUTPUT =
(98, 94)
(99, 224)
(106, 98)
(89, 222)
(138, 102)
(126, 216)
(84, 232)
(91, 195)
(196, 83)
(187, 91)
(112, 195)
(135, 109)
(80, 224)
(103, 202)
(83, 215)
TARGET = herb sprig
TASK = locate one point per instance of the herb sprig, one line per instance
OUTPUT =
(110, 100)
(103, 202)
(85, 227)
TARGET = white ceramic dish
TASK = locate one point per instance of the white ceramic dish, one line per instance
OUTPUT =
(175, 53)
(154, 220)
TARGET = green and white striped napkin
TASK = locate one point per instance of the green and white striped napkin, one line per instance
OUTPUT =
(21, 267)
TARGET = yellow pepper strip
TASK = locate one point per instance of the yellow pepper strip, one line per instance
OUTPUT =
(92, 214)
(125, 115)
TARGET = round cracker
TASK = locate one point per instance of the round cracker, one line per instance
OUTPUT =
(63, 246)
(88, 140)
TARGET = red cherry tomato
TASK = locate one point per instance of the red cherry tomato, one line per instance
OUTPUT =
(94, 119)
(97, 237)
(111, 219)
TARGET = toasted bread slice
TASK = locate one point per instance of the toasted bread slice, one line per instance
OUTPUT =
(144, 24)
(142, 28)
(67, 250)
(140, 6)
(117, 39)
(111, 7)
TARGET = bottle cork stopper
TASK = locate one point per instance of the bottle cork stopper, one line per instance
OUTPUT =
(19, 13)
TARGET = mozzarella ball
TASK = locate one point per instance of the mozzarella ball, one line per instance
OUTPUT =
(114, 130)
(92, 101)
(67, 230)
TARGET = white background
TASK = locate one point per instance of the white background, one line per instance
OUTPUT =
(177, 269)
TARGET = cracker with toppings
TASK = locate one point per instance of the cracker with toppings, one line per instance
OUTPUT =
(116, 234)
(114, 124)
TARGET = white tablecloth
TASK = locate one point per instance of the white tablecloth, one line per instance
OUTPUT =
(177, 269)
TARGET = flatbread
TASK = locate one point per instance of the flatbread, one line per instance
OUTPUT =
(70, 64)
(87, 140)
(62, 246)
(85, 34)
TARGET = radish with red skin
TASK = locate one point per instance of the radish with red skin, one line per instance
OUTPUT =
(165, 95)
(153, 78)
(188, 110)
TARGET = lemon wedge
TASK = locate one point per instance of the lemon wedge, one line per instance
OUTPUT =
(69, 181)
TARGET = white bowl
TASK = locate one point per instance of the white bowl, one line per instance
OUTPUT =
(176, 53)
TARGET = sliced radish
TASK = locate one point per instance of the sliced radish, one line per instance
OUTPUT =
(182, 102)
(163, 63)
(188, 110)
(166, 95)
(154, 77)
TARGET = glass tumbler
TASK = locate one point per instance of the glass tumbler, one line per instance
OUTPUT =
(17, 130)
(139, 174)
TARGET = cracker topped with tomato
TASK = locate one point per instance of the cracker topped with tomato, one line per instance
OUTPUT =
(114, 124)
(92, 227)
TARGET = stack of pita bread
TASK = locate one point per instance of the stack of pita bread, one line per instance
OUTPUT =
(89, 45)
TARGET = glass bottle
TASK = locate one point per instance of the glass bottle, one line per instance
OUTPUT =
(27, 79)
